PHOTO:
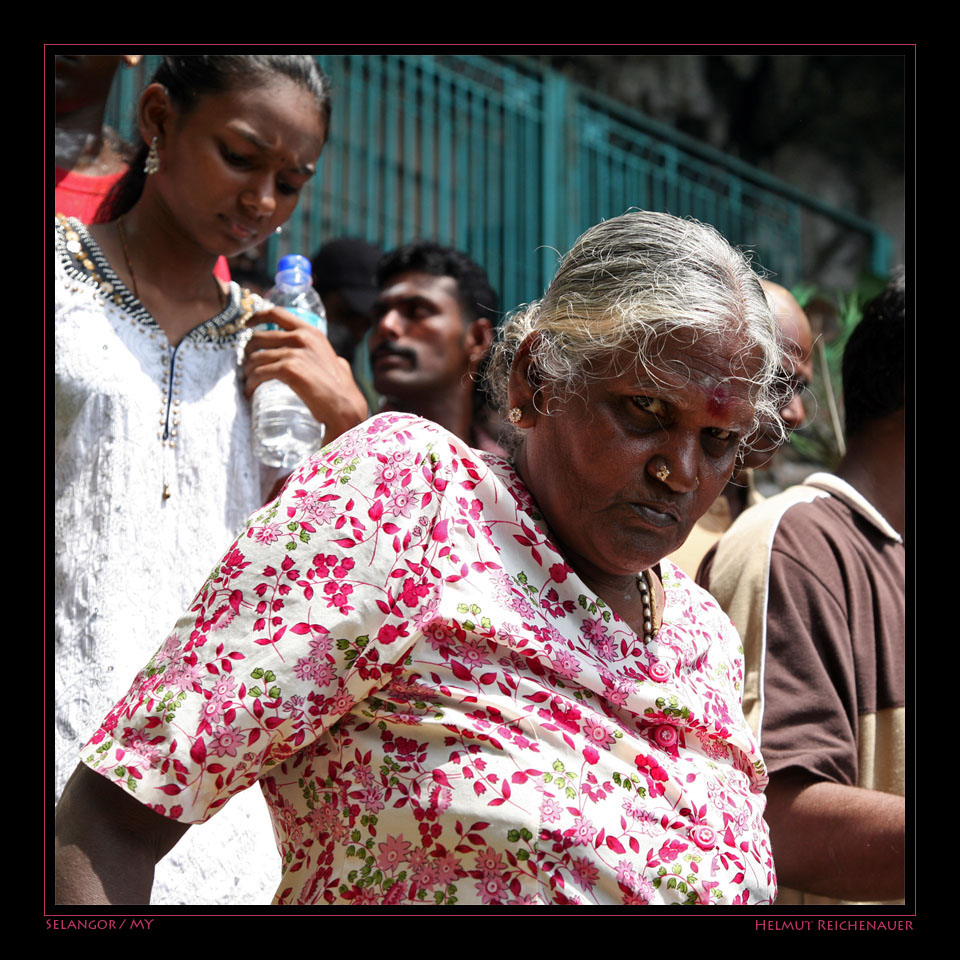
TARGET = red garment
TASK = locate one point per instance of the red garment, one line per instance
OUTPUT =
(77, 195)
(80, 196)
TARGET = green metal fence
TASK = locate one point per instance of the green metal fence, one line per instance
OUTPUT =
(511, 162)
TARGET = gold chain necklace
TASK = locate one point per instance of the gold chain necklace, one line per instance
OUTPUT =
(221, 297)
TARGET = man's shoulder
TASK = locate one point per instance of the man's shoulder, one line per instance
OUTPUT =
(754, 530)
(775, 508)
(836, 524)
(824, 506)
(809, 514)
(823, 526)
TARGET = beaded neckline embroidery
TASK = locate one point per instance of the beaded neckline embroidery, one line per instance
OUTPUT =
(83, 261)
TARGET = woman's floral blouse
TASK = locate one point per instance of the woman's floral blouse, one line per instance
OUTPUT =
(436, 708)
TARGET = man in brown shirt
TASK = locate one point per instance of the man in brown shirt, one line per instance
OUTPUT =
(814, 580)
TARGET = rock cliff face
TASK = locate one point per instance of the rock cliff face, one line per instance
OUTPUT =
(832, 126)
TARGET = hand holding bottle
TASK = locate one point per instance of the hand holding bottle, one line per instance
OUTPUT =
(299, 355)
(303, 393)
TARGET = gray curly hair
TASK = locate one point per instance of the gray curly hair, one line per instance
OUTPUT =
(631, 282)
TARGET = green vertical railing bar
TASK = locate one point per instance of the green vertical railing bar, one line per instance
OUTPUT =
(445, 165)
(601, 186)
(462, 155)
(372, 103)
(351, 201)
(554, 154)
(532, 140)
(409, 228)
(428, 127)
(493, 209)
(510, 274)
(478, 175)
(390, 232)
(881, 253)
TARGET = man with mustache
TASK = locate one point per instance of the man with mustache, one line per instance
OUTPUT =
(433, 323)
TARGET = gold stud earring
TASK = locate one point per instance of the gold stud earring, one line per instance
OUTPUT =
(515, 415)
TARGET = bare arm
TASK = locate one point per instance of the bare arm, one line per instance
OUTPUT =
(301, 356)
(836, 840)
(107, 843)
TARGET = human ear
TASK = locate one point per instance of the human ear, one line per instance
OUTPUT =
(523, 385)
(154, 113)
(479, 339)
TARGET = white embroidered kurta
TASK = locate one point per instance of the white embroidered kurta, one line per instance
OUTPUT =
(134, 418)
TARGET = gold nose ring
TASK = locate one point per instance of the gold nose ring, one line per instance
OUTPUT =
(663, 472)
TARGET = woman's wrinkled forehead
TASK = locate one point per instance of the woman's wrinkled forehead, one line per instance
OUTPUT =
(673, 357)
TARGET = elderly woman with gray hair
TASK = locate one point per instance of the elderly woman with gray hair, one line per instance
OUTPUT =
(462, 679)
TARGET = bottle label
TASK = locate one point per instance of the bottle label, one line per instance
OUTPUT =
(319, 322)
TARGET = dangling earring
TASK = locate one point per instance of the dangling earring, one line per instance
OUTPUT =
(152, 164)
(515, 415)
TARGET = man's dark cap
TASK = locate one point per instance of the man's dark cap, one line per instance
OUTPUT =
(348, 264)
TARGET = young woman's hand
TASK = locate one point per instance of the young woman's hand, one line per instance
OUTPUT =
(300, 356)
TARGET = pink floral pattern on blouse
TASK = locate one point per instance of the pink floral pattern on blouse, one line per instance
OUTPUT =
(436, 708)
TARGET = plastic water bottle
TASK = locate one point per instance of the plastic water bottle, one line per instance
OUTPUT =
(284, 429)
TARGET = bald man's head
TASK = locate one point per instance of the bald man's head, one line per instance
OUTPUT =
(797, 366)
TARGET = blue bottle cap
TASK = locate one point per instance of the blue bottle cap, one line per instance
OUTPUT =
(295, 261)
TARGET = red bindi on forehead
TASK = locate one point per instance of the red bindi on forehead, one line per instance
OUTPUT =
(719, 400)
